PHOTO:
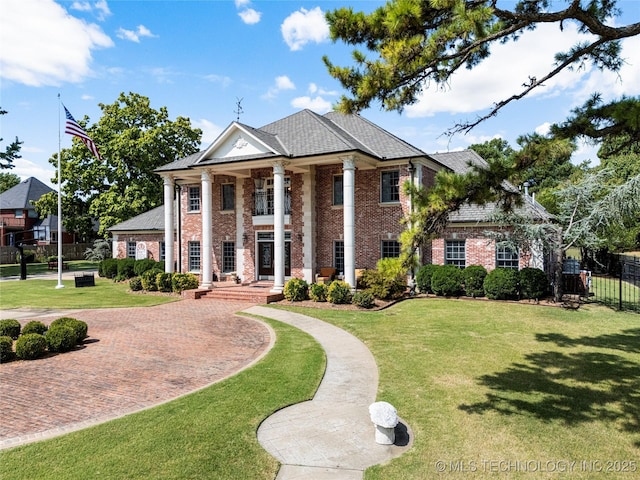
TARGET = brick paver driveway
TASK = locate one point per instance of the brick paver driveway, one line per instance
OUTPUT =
(133, 358)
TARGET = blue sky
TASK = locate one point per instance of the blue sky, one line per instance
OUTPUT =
(198, 58)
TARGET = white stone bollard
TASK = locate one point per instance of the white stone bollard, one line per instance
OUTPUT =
(385, 417)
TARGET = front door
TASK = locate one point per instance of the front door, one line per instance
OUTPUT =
(265, 259)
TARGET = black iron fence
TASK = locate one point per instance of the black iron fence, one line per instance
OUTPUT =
(615, 282)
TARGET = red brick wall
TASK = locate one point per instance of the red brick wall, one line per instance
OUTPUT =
(151, 240)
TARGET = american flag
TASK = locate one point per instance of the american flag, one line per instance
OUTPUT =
(72, 128)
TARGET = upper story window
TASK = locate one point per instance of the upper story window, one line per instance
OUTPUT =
(19, 213)
(228, 196)
(194, 199)
(507, 257)
(390, 186)
(338, 190)
(455, 253)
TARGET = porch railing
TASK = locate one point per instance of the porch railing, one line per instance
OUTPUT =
(263, 203)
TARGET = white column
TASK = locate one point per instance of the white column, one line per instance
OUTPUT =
(349, 216)
(207, 244)
(168, 223)
(278, 227)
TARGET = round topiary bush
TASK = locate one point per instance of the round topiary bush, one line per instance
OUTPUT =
(163, 282)
(135, 284)
(60, 338)
(501, 284)
(318, 292)
(34, 326)
(183, 281)
(363, 299)
(6, 349)
(10, 328)
(296, 290)
(447, 281)
(423, 277)
(31, 346)
(339, 292)
(473, 279)
(534, 283)
(141, 266)
(149, 279)
(79, 327)
(108, 268)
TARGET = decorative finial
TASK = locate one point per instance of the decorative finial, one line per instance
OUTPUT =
(238, 111)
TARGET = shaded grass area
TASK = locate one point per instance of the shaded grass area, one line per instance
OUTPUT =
(496, 390)
(210, 434)
(10, 270)
(38, 293)
(615, 294)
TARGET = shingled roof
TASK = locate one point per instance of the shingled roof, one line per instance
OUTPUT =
(21, 196)
(147, 221)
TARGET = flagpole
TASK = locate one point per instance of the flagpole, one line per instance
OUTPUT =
(60, 259)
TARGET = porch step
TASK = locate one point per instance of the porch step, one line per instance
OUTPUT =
(255, 293)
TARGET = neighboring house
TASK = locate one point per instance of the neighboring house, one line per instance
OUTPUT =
(299, 194)
(19, 221)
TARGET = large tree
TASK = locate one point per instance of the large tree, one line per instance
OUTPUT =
(11, 151)
(415, 42)
(133, 139)
(8, 180)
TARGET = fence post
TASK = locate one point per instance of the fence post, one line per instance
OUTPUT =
(620, 284)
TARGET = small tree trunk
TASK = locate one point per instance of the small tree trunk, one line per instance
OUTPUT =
(557, 273)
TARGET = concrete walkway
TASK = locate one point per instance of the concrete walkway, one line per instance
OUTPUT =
(331, 436)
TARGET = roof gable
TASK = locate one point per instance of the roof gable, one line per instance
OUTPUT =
(240, 141)
(22, 195)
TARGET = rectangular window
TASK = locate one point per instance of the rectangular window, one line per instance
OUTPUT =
(228, 257)
(32, 214)
(390, 249)
(163, 254)
(454, 253)
(194, 199)
(19, 213)
(131, 249)
(507, 257)
(228, 196)
(194, 256)
(338, 255)
(338, 190)
(390, 186)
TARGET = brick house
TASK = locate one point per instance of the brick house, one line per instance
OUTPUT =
(299, 194)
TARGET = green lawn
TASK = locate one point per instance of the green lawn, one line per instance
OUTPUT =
(38, 293)
(484, 383)
(489, 390)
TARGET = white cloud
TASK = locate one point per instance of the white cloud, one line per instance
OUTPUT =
(210, 130)
(134, 35)
(317, 104)
(242, 3)
(25, 168)
(503, 73)
(101, 8)
(250, 16)
(281, 83)
(304, 26)
(54, 46)
(543, 129)
(87, 97)
(221, 79)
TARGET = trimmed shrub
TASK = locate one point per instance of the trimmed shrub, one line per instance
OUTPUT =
(318, 292)
(60, 338)
(31, 346)
(108, 268)
(473, 279)
(534, 283)
(423, 277)
(125, 268)
(141, 266)
(183, 281)
(296, 290)
(501, 284)
(447, 281)
(149, 278)
(339, 292)
(363, 299)
(163, 282)
(6, 348)
(34, 326)
(10, 328)
(135, 284)
(384, 284)
(79, 327)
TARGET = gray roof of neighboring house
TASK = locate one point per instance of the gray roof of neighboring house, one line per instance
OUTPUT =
(306, 133)
(460, 162)
(21, 195)
(51, 221)
(147, 221)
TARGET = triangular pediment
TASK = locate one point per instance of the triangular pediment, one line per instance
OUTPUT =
(237, 141)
